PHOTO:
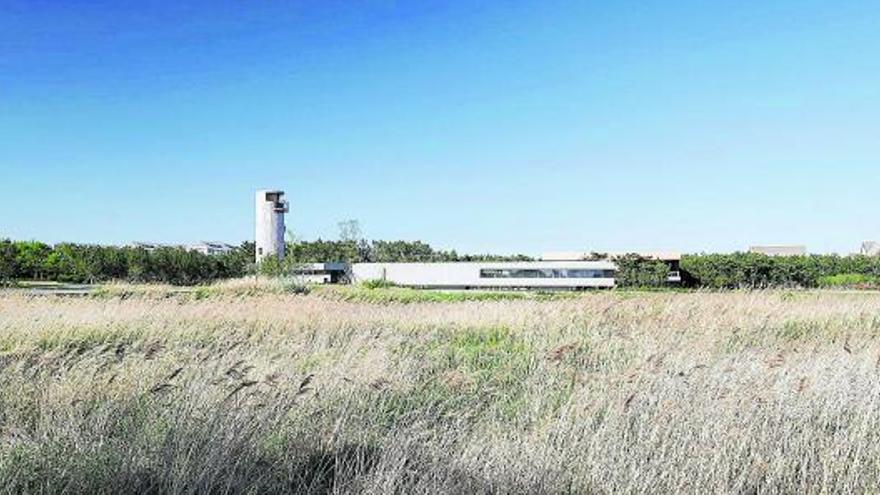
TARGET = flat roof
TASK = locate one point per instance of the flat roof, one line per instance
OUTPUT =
(599, 264)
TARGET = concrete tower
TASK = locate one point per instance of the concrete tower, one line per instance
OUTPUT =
(270, 210)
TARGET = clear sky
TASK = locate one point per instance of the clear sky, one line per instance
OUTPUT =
(480, 126)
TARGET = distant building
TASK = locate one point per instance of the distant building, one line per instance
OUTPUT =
(211, 248)
(152, 246)
(779, 250)
(870, 248)
(557, 271)
(546, 275)
(204, 247)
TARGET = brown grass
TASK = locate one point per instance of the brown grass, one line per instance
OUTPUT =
(607, 392)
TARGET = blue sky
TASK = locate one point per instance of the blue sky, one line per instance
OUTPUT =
(480, 126)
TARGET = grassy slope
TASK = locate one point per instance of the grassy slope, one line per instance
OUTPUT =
(244, 389)
(349, 293)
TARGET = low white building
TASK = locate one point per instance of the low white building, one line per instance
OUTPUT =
(561, 274)
(490, 275)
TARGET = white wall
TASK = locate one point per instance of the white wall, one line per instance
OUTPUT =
(460, 275)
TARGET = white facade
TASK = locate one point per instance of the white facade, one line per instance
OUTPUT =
(211, 248)
(270, 208)
(456, 275)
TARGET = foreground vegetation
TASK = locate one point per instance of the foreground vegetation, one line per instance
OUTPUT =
(258, 390)
(404, 295)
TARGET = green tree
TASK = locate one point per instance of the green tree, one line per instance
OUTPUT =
(31, 259)
(636, 271)
(8, 261)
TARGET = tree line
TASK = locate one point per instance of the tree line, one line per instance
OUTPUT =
(758, 271)
(754, 271)
(363, 251)
(83, 263)
(86, 263)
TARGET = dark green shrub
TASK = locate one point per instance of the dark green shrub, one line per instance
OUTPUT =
(850, 281)
(636, 271)
(758, 271)
(377, 284)
(8, 262)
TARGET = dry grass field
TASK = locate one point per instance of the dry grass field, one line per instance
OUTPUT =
(236, 390)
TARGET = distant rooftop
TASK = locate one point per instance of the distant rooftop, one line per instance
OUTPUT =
(779, 250)
(206, 247)
(214, 244)
(870, 248)
(154, 245)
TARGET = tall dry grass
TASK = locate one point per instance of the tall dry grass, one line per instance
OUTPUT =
(609, 392)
